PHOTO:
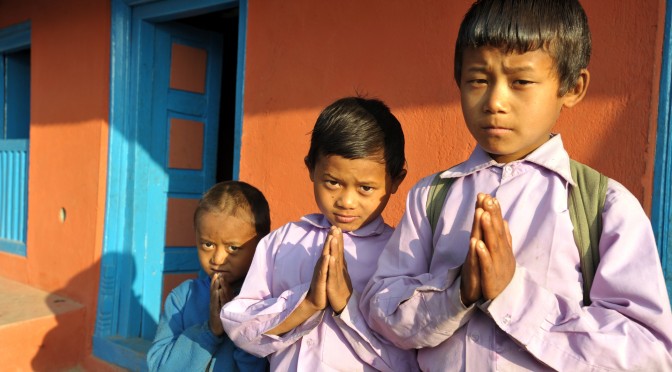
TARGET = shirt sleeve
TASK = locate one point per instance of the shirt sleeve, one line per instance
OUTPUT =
(413, 299)
(628, 326)
(176, 348)
(369, 347)
(255, 311)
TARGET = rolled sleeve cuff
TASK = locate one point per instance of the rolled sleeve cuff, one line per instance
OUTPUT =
(521, 309)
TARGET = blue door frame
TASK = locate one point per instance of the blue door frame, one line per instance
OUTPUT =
(661, 211)
(125, 274)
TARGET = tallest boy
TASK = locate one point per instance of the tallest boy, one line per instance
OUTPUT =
(498, 286)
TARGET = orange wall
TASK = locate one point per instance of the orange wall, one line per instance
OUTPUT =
(303, 54)
(70, 57)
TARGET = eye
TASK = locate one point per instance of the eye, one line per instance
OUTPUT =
(232, 249)
(208, 246)
(366, 189)
(477, 82)
(522, 83)
(331, 184)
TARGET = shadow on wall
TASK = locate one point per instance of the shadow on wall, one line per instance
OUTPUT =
(69, 343)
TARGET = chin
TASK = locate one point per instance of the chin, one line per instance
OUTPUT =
(348, 227)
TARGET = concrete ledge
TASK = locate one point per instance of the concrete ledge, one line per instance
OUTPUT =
(39, 330)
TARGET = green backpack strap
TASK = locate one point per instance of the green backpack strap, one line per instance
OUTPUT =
(437, 198)
(586, 202)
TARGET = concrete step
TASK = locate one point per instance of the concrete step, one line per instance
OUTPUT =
(39, 331)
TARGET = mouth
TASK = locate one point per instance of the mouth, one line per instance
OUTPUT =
(344, 219)
(495, 130)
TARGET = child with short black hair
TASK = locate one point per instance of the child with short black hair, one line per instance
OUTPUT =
(299, 302)
(229, 221)
(498, 285)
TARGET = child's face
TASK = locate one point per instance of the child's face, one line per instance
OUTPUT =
(225, 244)
(351, 192)
(510, 101)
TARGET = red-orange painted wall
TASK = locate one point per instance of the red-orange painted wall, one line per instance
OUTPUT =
(70, 64)
(303, 54)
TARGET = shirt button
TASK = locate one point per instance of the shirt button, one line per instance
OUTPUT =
(310, 342)
(474, 337)
(507, 319)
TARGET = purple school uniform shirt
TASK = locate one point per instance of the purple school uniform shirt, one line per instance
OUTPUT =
(277, 282)
(538, 322)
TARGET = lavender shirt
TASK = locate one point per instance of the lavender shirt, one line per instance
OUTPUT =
(537, 322)
(278, 281)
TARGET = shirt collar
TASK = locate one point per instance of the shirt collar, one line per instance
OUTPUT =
(550, 155)
(375, 227)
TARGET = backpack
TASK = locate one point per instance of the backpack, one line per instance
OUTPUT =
(585, 202)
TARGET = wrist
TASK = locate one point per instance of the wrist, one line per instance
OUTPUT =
(309, 308)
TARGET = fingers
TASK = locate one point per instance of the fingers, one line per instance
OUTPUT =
(337, 250)
(479, 199)
(214, 281)
(484, 259)
(216, 303)
(327, 246)
(476, 229)
(494, 230)
(495, 252)
(508, 233)
(470, 286)
(492, 207)
(321, 269)
(216, 292)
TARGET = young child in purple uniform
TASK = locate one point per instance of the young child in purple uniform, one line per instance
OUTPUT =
(299, 304)
(498, 285)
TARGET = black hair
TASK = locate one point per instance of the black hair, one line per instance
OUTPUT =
(559, 27)
(232, 197)
(356, 128)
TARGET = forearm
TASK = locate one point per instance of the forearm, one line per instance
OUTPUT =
(247, 321)
(557, 331)
(303, 312)
(415, 316)
(368, 346)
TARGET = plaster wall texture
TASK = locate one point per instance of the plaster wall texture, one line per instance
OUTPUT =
(302, 55)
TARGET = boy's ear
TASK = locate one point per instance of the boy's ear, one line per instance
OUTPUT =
(576, 94)
(310, 171)
(397, 180)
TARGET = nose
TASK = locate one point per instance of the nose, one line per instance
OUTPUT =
(346, 199)
(219, 256)
(496, 99)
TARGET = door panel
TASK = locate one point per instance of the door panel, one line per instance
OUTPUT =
(185, 118)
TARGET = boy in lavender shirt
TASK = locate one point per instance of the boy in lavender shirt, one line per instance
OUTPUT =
(498, 286)
(299, 304)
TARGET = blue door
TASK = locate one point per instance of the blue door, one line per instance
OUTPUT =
(165, 135)
(184, 109)
(661, 211)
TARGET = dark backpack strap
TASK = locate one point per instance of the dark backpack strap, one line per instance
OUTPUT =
(586, 202)
(437, 198)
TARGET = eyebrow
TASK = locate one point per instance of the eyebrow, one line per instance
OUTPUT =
(526, 68)
(359, 182)
(229, 242)
(508, 70)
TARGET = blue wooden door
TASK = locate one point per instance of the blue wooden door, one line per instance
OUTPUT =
(165, 101)
(184, 107)
(661, 211)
